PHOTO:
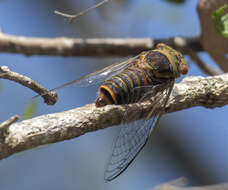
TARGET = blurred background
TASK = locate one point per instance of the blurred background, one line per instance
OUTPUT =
(189, 143)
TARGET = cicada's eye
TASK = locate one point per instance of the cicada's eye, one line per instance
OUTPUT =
(182, 66)
(183, 69)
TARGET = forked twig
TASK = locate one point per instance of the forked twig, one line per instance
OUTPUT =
(71, 18)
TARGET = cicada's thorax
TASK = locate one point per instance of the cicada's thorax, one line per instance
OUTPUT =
(150, 68)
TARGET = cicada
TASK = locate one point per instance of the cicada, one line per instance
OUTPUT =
(151, 73)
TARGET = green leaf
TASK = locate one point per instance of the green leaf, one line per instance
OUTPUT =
(221, 21)
(30, 109)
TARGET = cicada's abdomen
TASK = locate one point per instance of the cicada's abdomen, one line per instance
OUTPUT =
(151, 68)
(122, 88)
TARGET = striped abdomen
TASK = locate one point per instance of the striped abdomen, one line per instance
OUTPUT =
(151, 68)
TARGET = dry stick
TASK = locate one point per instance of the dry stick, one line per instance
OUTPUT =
(71, 18)
(50, 97)
(91, 47)
(209, 92)
(204, 67)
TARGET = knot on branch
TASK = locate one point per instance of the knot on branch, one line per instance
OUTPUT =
(4, 127)
(50, 98)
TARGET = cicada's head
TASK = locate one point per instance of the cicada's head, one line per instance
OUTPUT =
(175, 58)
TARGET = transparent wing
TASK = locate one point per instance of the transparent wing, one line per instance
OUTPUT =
(133, 137)
(130, 141)
(99, 76)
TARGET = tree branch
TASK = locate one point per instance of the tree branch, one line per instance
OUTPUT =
(50, 97)
(204, 67)
(181, 182)
(209, 92)
(91, 47)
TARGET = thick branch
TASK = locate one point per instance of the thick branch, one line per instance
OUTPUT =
(50, 97)
(90, 47)
(209, 92)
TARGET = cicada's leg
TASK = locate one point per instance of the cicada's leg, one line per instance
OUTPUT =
(152, 93)
(166, 96)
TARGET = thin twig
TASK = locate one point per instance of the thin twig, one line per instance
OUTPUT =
(71, 18)
(103, 47)
(209, 92)
(50, 97)
(204, 67)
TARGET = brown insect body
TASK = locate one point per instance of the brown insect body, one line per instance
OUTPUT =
(150, 68)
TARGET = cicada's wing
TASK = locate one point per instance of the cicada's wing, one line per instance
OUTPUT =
(129, 142)
(99, 76)
(133, 137)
